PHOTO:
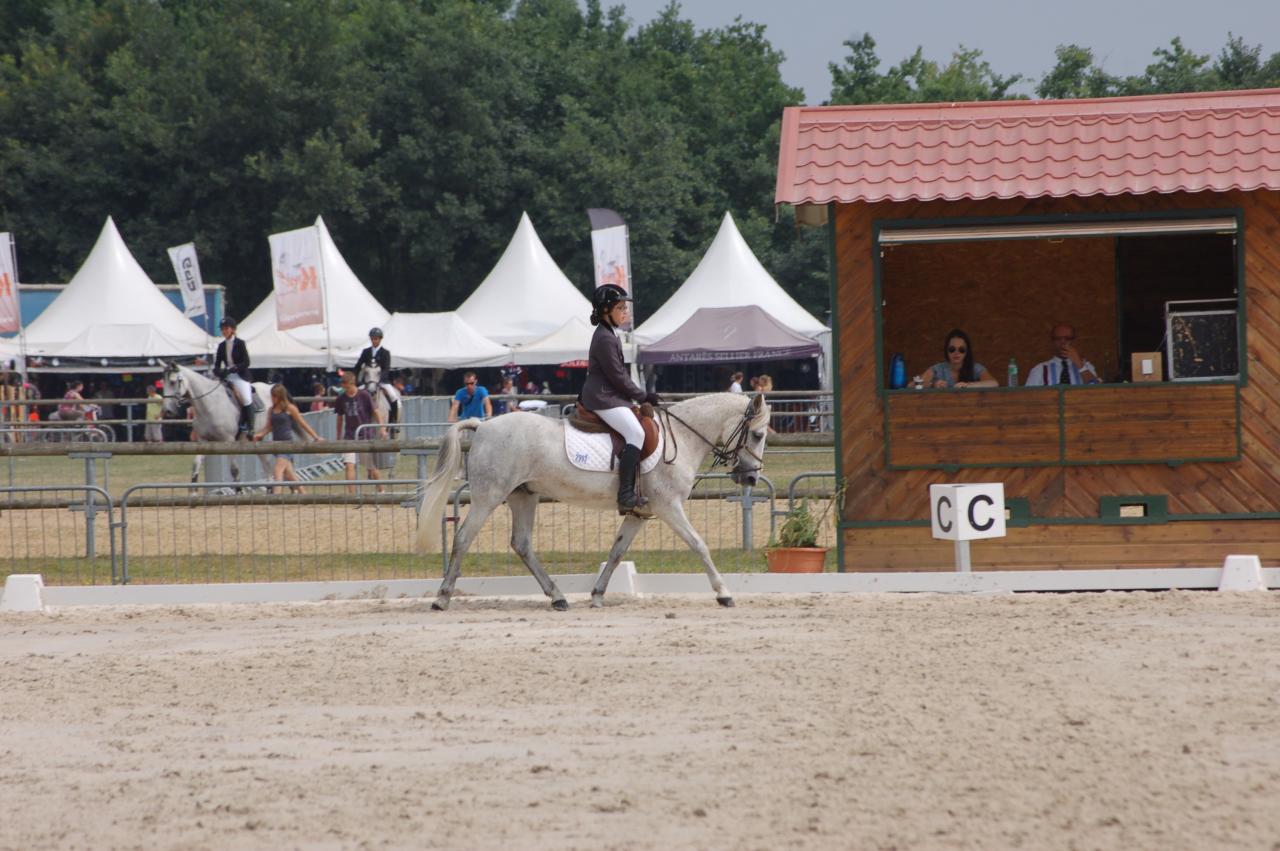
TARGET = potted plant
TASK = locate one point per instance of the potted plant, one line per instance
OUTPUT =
(796, 549)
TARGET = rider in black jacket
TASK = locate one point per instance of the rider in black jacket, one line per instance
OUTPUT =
(374, 353)
(231, 362)
(609, 392)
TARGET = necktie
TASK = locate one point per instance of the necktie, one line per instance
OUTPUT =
(1064, 376)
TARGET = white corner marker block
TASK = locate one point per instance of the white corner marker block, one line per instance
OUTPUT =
(23, 592)
(623, 580)
(1242, 573)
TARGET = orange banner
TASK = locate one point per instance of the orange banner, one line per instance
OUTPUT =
(298, 276)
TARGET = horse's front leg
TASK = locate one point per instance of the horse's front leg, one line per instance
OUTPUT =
(524, 507)
(672, 513)
(196, 466)
(626, 534)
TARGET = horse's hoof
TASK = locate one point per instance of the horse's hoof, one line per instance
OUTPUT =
(560, 605)
(727, 602)
(597, 601)
(437, 606)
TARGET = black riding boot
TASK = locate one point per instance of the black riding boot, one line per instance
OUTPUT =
(394, 415)
(628, 501)
(246, 419)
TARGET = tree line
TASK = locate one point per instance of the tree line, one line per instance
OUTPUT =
(421, 129)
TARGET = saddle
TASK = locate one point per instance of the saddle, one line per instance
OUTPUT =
(258, 406)
(586, 421)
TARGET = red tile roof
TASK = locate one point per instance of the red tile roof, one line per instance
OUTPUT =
(1002, 149)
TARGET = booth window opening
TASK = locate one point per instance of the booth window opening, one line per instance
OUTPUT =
(1148, 301)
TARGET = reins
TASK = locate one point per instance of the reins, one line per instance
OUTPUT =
(189, 395)
(723, 455)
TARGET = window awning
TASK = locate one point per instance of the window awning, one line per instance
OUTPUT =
(890, 235)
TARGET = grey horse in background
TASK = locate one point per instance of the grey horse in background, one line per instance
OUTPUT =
(370, 378)
(516, 458)
(217, 415)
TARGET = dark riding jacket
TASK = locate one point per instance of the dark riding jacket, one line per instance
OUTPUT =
(383, 360)
(608, 385)
(239, 354)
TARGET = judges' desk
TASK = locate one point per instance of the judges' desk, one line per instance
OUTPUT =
(1062, 425)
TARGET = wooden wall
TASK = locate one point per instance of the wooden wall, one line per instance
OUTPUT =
(1006, 296)
(878, 494)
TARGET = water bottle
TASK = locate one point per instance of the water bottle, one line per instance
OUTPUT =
(1013, 373)
(897, 373)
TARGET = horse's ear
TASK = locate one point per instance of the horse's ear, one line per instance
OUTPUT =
(757, 403)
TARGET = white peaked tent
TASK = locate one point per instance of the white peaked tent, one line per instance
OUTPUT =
(525, 296)
(433, 340)
(571, 341)
(111, 309)
(729, 275)
(350, 310)
(272, 347)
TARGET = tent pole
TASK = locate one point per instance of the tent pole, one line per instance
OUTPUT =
(324, 294)
(17, 300)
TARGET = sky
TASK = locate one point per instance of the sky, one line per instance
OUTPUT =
(1015, 36)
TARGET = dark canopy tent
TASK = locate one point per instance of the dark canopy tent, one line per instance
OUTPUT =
(714, 334)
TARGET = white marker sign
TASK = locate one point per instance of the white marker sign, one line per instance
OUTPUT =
(967, 512)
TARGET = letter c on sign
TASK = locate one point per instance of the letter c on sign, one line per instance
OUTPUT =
(943, 524)
(982, 497)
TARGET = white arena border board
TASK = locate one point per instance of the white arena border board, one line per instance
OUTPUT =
(628, 582)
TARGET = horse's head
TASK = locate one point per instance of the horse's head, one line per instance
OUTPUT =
(746, 442)
(175, 390)
(370, 377)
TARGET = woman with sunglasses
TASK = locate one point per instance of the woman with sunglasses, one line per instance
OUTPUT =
(958, 369)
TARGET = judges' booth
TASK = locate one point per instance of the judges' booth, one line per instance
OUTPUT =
(1151, 225)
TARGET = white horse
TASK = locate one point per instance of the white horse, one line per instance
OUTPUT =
(217, 415)
(370, 378)
(518, 458)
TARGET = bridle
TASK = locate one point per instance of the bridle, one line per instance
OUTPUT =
(724, 455)
(186, 391)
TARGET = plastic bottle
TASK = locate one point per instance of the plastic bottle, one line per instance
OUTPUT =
(1013, 373)
(897, 373)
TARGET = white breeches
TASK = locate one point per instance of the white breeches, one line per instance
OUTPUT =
(244, 391)
(393, 395)
(624, 423)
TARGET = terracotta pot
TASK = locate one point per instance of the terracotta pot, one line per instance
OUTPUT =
(796, 559)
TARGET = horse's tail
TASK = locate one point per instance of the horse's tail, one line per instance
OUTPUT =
(436, 489)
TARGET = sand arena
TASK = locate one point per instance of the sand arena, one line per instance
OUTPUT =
(825, 721)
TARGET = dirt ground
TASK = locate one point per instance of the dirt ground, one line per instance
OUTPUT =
(824, 721)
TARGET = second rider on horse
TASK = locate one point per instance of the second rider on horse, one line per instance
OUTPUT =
(609, 391)
(376, 355)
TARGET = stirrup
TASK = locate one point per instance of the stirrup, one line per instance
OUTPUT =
(639, 503)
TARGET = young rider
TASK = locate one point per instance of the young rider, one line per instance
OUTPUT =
(231, 362)
(608, 391)
(375, 354)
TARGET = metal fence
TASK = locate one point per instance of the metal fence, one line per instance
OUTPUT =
(74, 531)
(66, 532)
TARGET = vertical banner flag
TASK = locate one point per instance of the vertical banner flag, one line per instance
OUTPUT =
(187, 268)
(10, 315)
(296, 271)
(611, 248)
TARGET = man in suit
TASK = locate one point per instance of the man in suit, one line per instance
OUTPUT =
(231, 362)
(374, 353)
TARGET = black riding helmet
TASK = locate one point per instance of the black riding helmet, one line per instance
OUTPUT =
(603, 300)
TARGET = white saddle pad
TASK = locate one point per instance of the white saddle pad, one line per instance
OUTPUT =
(590, 451)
